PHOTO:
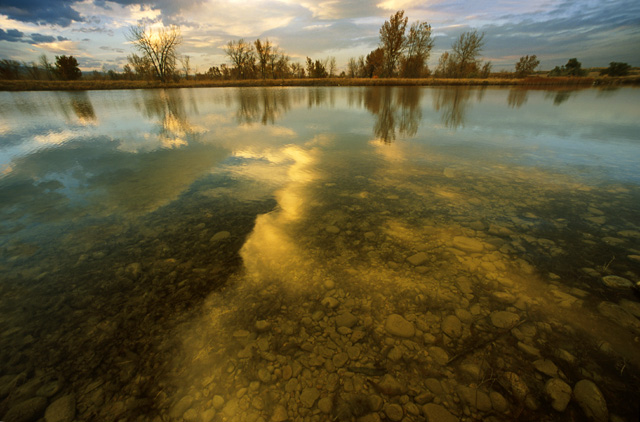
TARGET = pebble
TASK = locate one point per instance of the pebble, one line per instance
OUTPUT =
(504, 319)
(398, 326)
(452, 326)
(559, 392)
(546, 367)
(474, 397)
(325, 405)
(591, 400)
(439, 355)
(220, 236)
(498, 402)
(61, 410)
(418, 259)
(468, 244)
(616, 282)
(619, 315)
(346, 319)
(279, 414)
(332, 229)
(437, 413)
(390, 386)
(26, 411)
(393, 411)
(514, 385)
(218, 402)
(309, 396)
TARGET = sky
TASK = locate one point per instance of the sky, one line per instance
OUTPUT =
(596, 32)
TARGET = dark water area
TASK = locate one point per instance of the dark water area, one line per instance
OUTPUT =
(320, 254)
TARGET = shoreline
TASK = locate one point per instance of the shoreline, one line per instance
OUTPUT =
(532, 82)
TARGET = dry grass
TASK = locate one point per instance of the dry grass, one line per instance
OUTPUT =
(84, 85)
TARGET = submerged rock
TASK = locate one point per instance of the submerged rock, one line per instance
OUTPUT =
(617, 282)
(61, 410)
(398, 326)
(436, 413)
(559, 393)
(468, 244)
(26, 411)
(452, 326)
(504, 319)
(591, 400)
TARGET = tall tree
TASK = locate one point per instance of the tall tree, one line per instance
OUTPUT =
(67, 68)
(465, 51)
(526, 65)
(158, 47)
(418, 47)
(241, 55)
(392, 41)
(263, 51)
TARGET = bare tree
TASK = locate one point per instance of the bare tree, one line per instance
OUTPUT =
(331, 66)
(46, 66)
(465, 50)
(392, 41)
(263, 51)
(158, 46)
(186, 65)
(241, 55)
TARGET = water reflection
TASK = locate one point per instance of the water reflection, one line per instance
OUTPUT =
(453, 103)
(264, 105)
(396, 109)
(225, 270)
(517, 97)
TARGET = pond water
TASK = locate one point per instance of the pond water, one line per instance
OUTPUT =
(315, 254)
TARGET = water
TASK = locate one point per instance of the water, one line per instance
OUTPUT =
(320, 253)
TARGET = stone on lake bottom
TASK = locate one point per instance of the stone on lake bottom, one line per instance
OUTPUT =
(468, 244)
(61, 410)
(504, 319)
(591, 400)
(418, 259)
(559, 392)
(616, 282)
(220, 236)
(436, 413)
(398, 326)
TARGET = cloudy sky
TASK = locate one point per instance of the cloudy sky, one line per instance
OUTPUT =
(595, 31)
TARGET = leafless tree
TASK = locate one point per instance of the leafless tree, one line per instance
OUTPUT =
(241, 55)
(158, 46)
(263, 51)
(465, 51)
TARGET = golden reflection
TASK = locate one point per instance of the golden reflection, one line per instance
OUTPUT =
(82, 106)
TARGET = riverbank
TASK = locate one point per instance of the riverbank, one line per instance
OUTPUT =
(84, 85)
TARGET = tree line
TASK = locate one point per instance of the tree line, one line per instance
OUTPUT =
(403, 52)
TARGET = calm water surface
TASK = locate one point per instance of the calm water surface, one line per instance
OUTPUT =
(313, 254)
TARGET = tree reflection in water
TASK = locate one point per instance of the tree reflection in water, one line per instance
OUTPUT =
(393, 107)
(264, 105)
(453, 102)
(517, 97)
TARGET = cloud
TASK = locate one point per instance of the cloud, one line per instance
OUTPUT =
(53, 12)
(12, 35)
(39, 38)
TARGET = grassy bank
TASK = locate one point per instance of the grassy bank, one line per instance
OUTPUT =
(83, 85)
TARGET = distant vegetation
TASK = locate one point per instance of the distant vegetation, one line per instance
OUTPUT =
(403, 52)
